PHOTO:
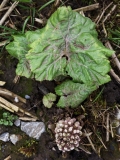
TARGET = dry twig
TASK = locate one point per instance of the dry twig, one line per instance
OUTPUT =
(109, 14)
(99, 17)
(3, 9)
(104, 29)
(9, 105)
(111, 129)
(27, 119)
(10, 95)
(108, 45)
(4, 106)
(90, 141)
(100, 139)
(3, 3)
(12, 107)
(114, 57)
(115, 75)
(107, 128)
(87, 8)
(8, 12)
(116, 45)
(4, 43)
(8, 158)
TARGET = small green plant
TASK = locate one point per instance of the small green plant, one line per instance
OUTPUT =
(29, 148)
(49, 99)
(8, 119)
(66, 48)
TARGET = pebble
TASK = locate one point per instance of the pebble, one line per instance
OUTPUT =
(33, 129)
(14, 138)
(5, 137)
(17, 122)
(16, 99)
(27, 97)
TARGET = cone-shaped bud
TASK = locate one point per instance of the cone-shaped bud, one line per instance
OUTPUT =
(68, 134)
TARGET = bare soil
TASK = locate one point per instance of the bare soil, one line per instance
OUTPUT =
(46, 148)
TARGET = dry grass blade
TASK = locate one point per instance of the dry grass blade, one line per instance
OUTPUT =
(99, 17)
(109, 14)
(111, 129)
(3, 9)
(90, 141)
(87, 8)
(107, 128)
(100, 139)
(8, 12)
(3, 3)
(84, 149)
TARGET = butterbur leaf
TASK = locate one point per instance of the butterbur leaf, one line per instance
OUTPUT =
(72, 94)
(68, 45)
(50, 54)
(90, 63)
(31, 36)
(18, 48)
(48, 100)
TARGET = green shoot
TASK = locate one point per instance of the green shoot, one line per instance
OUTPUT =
(46, 4)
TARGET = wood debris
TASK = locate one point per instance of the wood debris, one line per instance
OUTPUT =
(2, 83)
(87, 8)
(8, 12)
(3, 3)
(8, 158)
(10, 105)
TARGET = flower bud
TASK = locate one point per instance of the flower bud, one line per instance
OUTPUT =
(68, 134)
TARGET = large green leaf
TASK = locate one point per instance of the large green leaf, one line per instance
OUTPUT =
(72, 94)
(51, 53)
(90, 63)
(18, 48)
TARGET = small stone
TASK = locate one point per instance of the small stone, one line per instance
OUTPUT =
(15, 138)
(5, 137)
(17, 122)
(118, 114)
(33, 129)
(16, 99)
(27, 97)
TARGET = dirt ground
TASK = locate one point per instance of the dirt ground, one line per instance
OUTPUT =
(45, 148)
